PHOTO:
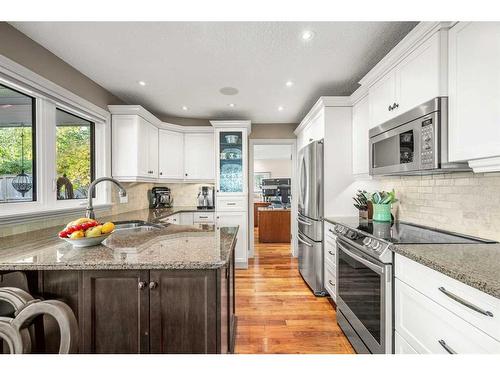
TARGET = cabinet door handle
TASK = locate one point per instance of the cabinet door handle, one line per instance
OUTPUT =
(464, 302)
(446, 347)
(142, 285)
(329, 252)
(161, 173)
(390, 108)
(331, 283)
(395, 105)
(153, 285)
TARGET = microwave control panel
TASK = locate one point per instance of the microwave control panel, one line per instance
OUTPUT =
(427, 153)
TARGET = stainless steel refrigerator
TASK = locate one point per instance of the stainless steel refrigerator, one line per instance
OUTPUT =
(310, 215)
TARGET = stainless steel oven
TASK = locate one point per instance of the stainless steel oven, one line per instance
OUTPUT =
(364, 299)
(415, 142)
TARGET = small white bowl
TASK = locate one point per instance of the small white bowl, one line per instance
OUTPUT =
(87, 241)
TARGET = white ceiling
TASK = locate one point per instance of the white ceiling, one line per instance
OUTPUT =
(272, 152)
(187, 63)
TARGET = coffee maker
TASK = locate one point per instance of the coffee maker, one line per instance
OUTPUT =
(206, 198)
(160, 197)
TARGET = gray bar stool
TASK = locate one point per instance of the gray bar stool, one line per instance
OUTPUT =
(15, 332)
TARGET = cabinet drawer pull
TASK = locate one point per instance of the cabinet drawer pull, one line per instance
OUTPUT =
(231, 204)
(203, 217)
(446, 347)
(331, 283)
(464, 302)
(153, 285)
(331, 253)
(142, 285)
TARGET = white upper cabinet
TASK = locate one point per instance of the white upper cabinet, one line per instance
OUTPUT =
(199, 156)
(146, 149)
(420, 76)
(134, 148)
(474, 94)
(360, 137)
(152, 150)
(382, 99)
(171, 154)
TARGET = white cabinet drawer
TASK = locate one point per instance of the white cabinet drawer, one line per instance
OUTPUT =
(431, 283)
(401, 346)
(330, 251)
(329, 232)
(430, 328)
(203, 217)
(231, 203)
(330, 281)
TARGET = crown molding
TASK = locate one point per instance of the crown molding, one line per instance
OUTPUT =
(415, 37)
(139, 110)
(232, 124)
(321, 103)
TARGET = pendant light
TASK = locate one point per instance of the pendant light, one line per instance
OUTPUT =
(22, 182)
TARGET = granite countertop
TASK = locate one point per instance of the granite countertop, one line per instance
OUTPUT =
(477, 265)
(171, 247)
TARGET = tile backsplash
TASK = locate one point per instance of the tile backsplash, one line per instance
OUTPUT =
(184, 195)
(467, 203)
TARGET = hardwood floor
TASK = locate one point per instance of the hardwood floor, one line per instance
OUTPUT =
(277, 312)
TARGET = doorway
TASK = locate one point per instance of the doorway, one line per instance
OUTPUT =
(272, 193)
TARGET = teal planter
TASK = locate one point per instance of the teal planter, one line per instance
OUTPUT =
(382, 212)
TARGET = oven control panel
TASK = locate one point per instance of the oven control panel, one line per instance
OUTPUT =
(368, 244)
(427, 152)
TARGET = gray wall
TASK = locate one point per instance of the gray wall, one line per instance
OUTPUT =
(273, 131)
(23, 50)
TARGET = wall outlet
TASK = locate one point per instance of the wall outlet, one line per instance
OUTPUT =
(124, 199)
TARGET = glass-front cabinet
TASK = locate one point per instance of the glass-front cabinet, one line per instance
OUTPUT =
(231, 168)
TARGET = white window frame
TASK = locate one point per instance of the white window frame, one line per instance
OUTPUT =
(49, 97)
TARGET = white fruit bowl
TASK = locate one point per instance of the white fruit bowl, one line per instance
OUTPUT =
(87, 241)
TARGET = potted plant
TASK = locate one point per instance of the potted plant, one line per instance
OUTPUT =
(363, 204)
(382, 203)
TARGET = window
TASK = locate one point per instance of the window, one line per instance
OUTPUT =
(74, 155)
(17, 146)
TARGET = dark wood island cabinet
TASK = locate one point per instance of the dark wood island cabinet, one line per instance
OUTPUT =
(141, 311)
(165, 291)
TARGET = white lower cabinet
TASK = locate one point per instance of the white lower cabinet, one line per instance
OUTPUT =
(430, 328)
(401, 346)
(203, 218)
(237, 219)
(437, 314)
(330, 261)
(186, 218)
(173, 219)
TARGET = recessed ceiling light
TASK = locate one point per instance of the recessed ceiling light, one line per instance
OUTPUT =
(232, 105)
(184, 108)
(280, 108)
(307, 35)
(228, 90)
(142, 83)
(289, 83)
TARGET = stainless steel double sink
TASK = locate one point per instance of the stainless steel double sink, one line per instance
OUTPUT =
(136, 226)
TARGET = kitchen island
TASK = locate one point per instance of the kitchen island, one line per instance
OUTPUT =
(163, 290)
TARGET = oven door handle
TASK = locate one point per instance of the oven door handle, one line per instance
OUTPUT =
(367, 263)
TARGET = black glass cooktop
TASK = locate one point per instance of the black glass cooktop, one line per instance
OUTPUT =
(405, 233)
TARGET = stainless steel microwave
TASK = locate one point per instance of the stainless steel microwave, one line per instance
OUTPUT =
(415, 142)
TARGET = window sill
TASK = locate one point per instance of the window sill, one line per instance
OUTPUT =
(27, 217)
